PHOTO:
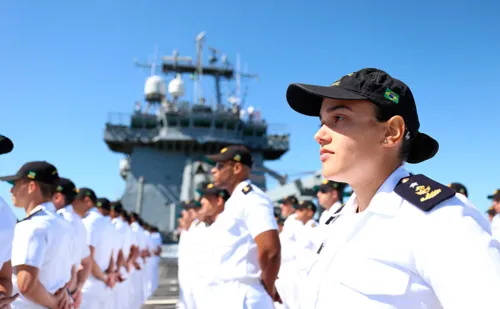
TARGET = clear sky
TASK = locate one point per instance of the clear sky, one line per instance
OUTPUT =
(65, 65)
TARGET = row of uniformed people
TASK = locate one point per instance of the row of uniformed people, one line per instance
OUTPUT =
(69, 253)
(400, 241)
(229, 248)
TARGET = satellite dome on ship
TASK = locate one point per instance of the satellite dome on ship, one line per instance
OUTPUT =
(155, 89)
(176, 87)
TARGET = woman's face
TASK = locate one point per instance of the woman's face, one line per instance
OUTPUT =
(350, 139)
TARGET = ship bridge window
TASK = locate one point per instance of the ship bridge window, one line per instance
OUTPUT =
(202, 122)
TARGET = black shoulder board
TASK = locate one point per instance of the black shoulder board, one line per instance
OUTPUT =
(247, 189)
(423, 192)
(30, 216)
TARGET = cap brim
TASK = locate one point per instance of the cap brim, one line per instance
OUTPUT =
(307, 99)
(212, 159)
(6, 145)
(423, 148)
(10, 179)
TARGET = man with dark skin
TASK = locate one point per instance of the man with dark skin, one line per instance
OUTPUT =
(246, 230)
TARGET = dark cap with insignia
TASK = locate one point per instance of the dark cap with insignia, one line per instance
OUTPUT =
(103, 203)
(329, 185)
(211, 189)
(236, 153)
(458, 187)
(491, 211)
(289, 200)
(191, 204)
(495, 196)
(390, 94)
(67, 188)
(41, 171)
(6, 145)
(305, 205)
(86, 192)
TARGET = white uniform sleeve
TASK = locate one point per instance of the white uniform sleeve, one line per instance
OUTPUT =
(457, 256)
(7, 226)
(29, 246)
(94, 238)
(259, 216)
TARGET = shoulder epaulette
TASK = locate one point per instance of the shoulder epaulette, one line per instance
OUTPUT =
(423, 192)
(30, 216)
(247, 189)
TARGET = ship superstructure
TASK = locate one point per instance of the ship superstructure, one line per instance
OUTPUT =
(165, 142)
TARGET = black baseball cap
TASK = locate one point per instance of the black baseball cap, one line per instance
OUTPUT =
(237, 153)
(103, 203)
(117, 206)
(191, 204)
(6, 145)
(305, 205)
(289, 200)
(86, 192)
(495, 196)
(329, 185)
(41, 171)
(458, 187)
(211, 189)
(491, 211)
(67, 187)
(378, 87)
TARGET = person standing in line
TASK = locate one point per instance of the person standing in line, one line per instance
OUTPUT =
(7, 225)
(62, 199)
(246, 245)
(117, 239)
(123, 289)
(41, 249)
(401, 240)
(101, 277)
(330, 195)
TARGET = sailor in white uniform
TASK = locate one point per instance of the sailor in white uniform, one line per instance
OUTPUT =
(7, 226)
(41, 251)
(329, 195)
(123, 289)
(187, 277)
(212, 200)
(495, 222)
(62, 199)
(246, 248)
(117, 239)
(141, 245)
(400, 241)
(158, 242)
(96, 289)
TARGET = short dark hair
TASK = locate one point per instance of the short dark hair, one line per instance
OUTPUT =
(382, 115)
(47, 190)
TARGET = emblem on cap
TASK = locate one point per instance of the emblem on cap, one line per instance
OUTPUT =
(325, 182)
(223, 150)
(31, 175)
(405, 180)
(210, 185)
(391, 95)
(237, 157)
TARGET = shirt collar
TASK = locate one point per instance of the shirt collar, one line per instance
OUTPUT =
(385, 201)
(48, 206)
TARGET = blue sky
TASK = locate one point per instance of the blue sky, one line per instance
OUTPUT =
(65, 66)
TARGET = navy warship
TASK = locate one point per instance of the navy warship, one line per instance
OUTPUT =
(166, 137)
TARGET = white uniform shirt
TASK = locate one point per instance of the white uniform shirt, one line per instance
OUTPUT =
(125, 231)
(307, 244)
(7, 225)
(495, 227)
(42, 240)
(395, 255)
(327, 213)
(247, 213)
(81, 247)
(98, 229)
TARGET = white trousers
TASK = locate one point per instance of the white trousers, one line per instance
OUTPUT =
(234, 294)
